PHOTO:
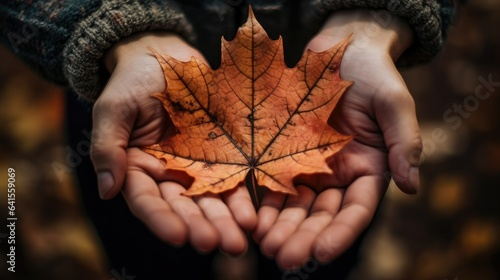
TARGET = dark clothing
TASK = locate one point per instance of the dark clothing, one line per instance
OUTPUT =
(65, 40)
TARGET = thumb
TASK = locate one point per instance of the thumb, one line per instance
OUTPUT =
(395, 113)
(112, 123)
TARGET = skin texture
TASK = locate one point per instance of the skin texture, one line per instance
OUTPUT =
(125, 116)
(379, 110)
(329, 213)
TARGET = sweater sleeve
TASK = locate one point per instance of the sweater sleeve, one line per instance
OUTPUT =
(65, 40)
(429, 19)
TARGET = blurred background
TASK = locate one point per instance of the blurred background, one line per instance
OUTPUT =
(450, 230)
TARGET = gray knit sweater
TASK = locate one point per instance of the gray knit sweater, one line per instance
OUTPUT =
(65, 40)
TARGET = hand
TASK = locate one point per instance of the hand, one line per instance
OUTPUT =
(125, 117)
(330, 212)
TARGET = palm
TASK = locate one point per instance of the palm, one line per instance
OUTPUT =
(332, 210)
(379, 110)
(130, 118)
(367, 154)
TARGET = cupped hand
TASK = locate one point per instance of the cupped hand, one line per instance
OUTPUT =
(126, 117)
(330, 212)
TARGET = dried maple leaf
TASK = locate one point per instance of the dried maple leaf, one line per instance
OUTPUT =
(253, 116)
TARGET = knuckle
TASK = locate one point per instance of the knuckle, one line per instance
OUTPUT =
(397, 95)
(415, 149)
(96, 152)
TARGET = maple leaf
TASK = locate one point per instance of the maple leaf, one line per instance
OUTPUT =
(253, 117)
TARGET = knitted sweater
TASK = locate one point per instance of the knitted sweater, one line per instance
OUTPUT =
(65, 40)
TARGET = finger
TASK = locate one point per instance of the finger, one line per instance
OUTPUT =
(360, 202)
(395, 113)
(271, 206)
(241, 206)
(112, 123)
(295, 211)
(144, 200)
(298, 247)
(202, 234)
(232, 238)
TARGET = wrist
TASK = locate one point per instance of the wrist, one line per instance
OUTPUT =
(373, 31)
(135, 70)
(135, 47)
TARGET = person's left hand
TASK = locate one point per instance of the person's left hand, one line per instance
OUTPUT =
(330, 212)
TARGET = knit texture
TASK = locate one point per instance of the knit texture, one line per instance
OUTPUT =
(65, 40)
(111, 22)
(428, 21)
(37, 31)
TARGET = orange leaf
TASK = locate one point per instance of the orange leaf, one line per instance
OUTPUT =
(253, 116)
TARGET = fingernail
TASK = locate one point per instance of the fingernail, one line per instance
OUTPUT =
(322, 254)
(106, 182)
(289, 266)
(414, 178)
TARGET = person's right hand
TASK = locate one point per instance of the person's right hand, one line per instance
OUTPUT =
(126, 117)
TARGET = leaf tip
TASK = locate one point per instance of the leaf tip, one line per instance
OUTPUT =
(191, 193)
(343, 44)
(293, 192)
(161, 59)
(153, 51)
(251, 19)
(250, 12)
(349, 138)
(158, 95)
